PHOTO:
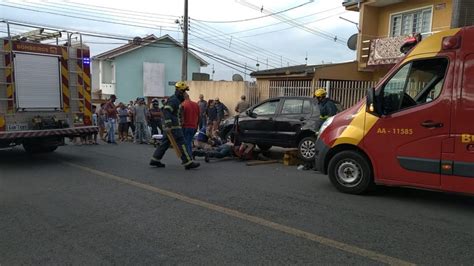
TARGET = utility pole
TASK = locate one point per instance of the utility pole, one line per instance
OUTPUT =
(184, 64)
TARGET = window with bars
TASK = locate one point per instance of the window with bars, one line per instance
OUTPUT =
(407, 23)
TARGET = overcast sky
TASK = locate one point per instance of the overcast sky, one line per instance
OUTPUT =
(276, 40)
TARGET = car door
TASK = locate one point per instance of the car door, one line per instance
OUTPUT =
(259, 125)
(406, 141)
(458, 151)
(288, 122)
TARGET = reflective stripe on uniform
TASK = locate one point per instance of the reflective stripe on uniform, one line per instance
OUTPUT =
(186, 152)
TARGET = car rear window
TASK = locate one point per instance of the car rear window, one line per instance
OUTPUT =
(292, 106)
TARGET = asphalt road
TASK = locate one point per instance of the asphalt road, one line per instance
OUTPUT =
(105, 205)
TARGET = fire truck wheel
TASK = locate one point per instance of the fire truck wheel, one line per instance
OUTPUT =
(350, 172)
(35, 148)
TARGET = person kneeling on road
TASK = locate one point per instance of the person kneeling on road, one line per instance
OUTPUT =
(174, 132)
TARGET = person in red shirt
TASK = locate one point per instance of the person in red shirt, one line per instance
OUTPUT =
(190, 121)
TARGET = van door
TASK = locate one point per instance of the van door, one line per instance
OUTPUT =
(405, 143)
(458, 174)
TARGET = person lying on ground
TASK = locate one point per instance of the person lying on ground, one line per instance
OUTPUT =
(244, 151)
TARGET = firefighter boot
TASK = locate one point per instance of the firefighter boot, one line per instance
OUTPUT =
(157, 163)
(192, 165)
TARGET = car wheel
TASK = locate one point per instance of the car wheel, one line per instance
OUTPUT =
(264, 147)
(350, 172)
(307, 149)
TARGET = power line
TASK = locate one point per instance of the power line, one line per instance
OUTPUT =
(127, 17)
(124, 11)
(239, 51)
(107, 21)
(86, 18)
(288, 20)
(143, 23)
(254, 18)
(225, 48)
(287, 28)
(216, 57)
(277, 23)
(240, 43)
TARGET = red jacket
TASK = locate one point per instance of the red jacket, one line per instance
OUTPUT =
(190, 114)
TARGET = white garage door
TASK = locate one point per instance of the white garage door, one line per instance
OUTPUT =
(37, 81)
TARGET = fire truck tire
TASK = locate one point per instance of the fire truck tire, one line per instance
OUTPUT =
(36, 148)
(350, 172)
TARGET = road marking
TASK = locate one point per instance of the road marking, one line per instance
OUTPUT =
(253, 219)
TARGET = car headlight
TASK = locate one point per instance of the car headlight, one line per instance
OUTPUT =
(325, 125)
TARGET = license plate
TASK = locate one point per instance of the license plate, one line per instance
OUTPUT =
(17, 127)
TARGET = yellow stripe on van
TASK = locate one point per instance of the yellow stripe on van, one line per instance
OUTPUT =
(357, 129)
(431, 46)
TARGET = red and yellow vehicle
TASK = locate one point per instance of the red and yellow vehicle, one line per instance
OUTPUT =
(415, 128)
(45, 92)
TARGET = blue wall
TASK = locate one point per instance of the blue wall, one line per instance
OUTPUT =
(129, 68)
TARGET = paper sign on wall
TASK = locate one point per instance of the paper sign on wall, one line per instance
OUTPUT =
(153, 79)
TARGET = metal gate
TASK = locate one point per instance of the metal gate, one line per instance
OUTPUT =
(347, 93)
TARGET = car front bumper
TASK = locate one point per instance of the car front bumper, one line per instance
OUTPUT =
(321, 156)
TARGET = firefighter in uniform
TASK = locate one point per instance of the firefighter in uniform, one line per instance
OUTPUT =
(327, 107)
(174, 132)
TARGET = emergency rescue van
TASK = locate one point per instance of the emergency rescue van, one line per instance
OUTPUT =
(415, 128)
(45, 92)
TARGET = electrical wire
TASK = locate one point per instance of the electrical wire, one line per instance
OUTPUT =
(63, 5)
(317, 32)
(86, 18)
(254, 18)
(277, 23)
(215, 57)
(236, 43)
(288, 28)
(81, 9)
(108, 9)
(108, 21)
(239, 44)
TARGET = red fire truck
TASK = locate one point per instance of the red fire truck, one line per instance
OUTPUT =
(45, 92)
(416, 127)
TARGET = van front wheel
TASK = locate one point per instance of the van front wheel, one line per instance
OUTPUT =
(350, 172)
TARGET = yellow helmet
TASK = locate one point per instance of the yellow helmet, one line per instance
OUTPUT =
(182, 86)
(320, 92)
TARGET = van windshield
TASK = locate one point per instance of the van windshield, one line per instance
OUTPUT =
(415, 83)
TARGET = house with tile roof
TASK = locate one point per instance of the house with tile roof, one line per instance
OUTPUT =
(147, 67)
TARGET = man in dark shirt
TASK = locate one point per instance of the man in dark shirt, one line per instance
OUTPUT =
(202, 111)
(155, 117)
(222, 110)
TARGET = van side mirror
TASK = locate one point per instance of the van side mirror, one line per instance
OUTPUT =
(372, 102)
(250, 113)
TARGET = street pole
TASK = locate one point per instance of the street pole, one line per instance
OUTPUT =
(184, 64)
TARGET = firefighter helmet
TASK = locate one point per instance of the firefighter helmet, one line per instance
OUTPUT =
(155, 100)
(182, 86)
(320, 93)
